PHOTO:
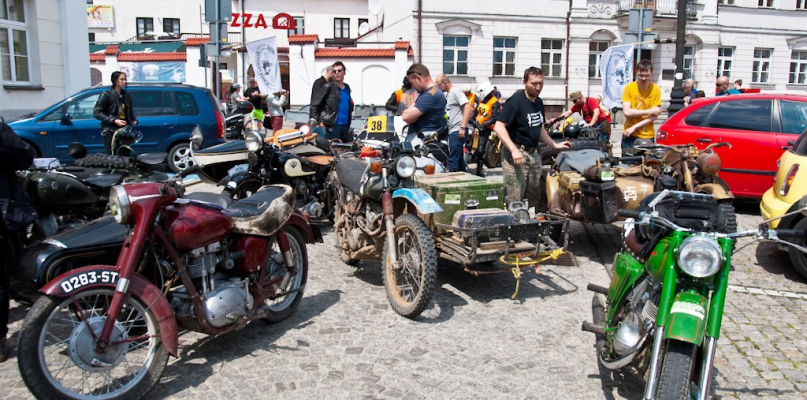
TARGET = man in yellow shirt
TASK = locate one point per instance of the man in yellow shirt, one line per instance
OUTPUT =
(641, 104)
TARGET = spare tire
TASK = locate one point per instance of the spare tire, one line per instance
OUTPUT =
(103, 161)
(547, 153)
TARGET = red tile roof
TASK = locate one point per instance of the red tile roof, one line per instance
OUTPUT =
(302, 39)
(112, 50)
(355, 53)
(97, 57)
(402, 45)
(152, 56)
(196, 41)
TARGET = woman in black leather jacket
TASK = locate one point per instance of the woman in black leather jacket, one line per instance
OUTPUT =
(114, 109)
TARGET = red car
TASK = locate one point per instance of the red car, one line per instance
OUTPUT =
(758, 126)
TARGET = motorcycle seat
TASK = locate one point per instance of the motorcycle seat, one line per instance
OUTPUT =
(350, 172)
(104, 181)
(319, 160)
(263, 213)
(213, 198)
(151, 159)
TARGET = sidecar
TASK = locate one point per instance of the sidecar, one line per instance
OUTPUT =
(475, 227)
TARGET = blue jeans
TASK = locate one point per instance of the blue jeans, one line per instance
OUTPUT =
(456, 153)
(341, 132)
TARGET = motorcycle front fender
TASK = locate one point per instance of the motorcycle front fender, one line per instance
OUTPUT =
(98, 276)
(419, 198)
(687, 319)
(718, 191)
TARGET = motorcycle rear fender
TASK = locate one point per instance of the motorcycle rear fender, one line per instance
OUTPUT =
(687, 319)
(139, 287)
(310, 233)
(232, 181)
(419, 198)
(717, 191)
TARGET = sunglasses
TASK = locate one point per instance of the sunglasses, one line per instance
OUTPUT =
(338, 71)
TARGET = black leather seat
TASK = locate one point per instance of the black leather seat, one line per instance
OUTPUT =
(350, 172)
(264, 212)
(214, 198)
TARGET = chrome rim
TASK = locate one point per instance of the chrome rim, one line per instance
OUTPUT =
(182, 158)
(68, 355)
(278, 268)
(409, 276)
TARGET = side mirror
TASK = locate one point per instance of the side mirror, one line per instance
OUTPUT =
(66, 120)
(76, 150)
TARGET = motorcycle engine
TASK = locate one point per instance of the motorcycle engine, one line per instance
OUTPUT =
(640, 316)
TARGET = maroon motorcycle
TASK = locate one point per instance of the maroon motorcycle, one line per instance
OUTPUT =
(105, 331)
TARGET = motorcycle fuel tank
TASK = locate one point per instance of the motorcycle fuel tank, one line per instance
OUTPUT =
(294, 167)
(194, 226)
(61, 189)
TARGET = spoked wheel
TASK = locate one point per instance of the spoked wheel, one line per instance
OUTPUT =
(678, 371)
(243, 190)
(59, 358)
(493, 158)
(283, 307)
(410, 287)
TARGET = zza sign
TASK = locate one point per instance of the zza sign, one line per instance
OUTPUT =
(247, 20)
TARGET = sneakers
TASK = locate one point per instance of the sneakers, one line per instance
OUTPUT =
(3, 350)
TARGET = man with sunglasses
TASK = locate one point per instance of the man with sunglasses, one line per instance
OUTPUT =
(723, 87)
(332, 106)
(641, 104)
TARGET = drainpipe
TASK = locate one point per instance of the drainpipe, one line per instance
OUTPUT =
(243, 53)
(568, 35)
(420, 31)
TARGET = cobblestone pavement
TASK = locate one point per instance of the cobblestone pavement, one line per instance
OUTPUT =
(345, 342)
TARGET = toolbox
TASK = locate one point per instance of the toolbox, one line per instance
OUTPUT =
(484, 218)
(458, 191)
(599, 201)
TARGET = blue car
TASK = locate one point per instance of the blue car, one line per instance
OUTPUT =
(166, 114)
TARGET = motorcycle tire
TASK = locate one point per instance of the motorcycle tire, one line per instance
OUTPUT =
(797, 258)
(103, 161)
(677, 371)
(422, 278)
(286, 305)
(731, 216)
(242, 190)
(41, 329)
(548, 154)
(493, 155)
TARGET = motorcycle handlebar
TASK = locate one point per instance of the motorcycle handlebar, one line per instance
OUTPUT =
(635, 214)
(629, 158)
(342, 145)
(790, 233)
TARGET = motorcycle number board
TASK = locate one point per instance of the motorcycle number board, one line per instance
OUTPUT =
(377, 124)
(86, 278)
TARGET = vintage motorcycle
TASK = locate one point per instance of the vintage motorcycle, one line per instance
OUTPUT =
(237, 121)
(661, 315)
(68, 196)
(288, 156)
(107, 330)
(376, 217)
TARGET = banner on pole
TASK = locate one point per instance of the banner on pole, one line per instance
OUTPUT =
(160, 71)
(263, 57)
(616, 70)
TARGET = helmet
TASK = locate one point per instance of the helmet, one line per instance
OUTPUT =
(406, 84)
(483, 90)
(466, 88)
(572, 131)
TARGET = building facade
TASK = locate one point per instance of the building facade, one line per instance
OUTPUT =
(43, 54)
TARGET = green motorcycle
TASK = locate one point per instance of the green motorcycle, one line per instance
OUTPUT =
(660, 317)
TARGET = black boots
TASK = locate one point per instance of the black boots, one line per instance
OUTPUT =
(3, 350)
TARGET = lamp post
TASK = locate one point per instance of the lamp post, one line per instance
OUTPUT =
(677, 93)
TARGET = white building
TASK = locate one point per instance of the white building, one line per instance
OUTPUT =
(43, 53)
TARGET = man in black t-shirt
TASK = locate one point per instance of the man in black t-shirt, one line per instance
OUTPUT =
(520, 127)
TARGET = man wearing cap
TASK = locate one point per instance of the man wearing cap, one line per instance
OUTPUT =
(589, 108)
(253, 94)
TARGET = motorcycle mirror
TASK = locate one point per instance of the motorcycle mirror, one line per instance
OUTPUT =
(76, 150)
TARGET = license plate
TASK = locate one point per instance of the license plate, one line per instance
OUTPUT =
(88, 278)
(238, 169)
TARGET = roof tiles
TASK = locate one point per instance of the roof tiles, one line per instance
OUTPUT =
(302, 39)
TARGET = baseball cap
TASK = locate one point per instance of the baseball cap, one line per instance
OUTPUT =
(237, 85)
(574, 95)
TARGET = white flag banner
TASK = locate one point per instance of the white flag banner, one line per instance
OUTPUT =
(616, 70)
(263, 56)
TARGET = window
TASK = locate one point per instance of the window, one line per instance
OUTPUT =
(171, 25)
(728, 2)
(765, 3)
(801, 4)
(341, 28)
(187, 104)
(697, 117)
(80, 109)
(724, 59)
(147, 103)
(455, 55)
(689, 62)
(14, 55)
(794, 116)
(762, 65)
(91, 37)
(798, 67)
(144, 25)
(504, 56)
(299, 26)
(551, 56)
(756, 115)
(595, 50)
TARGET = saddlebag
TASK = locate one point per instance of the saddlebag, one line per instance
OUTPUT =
(599, 201)
(570, 196)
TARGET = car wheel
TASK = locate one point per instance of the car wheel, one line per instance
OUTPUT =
(179, 157)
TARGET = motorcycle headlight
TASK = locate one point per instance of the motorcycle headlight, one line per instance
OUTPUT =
(254, 141)
(405, 166)
(196, 138)
(700, 256)
(119, 204)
